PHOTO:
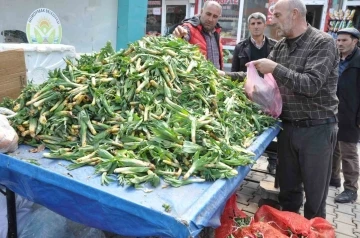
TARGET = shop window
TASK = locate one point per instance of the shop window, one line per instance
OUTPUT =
(356, 17)
(313, 15)
(251, 6)
(229, 21)
(334, 4)
(339, 19)
(153, 19)
(175, 14)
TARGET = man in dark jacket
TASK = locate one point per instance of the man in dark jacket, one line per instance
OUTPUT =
(348, 92)
(257, 46)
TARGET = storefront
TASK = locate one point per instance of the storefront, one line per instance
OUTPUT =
(235, 14)
(163, 14)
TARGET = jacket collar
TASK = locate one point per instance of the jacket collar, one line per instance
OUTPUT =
(355, 59)
(247, 45)
(349, 57)
(195, 21)
(254, 42)
(300, 39)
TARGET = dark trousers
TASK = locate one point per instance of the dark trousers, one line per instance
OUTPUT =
(305, 161)
(347, 154)
(271, 151)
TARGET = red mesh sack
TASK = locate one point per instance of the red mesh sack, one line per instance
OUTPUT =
(321, 228)
(283, 221)
(231, 211)
(258, 228)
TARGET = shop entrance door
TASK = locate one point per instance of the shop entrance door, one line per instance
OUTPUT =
(175, 12)
(316, 13)
(313, 15)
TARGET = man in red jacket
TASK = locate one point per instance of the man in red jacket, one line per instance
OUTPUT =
(204, 31)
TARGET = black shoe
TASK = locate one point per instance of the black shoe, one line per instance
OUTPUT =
(346, 197)
(335, 183)
(271, 168)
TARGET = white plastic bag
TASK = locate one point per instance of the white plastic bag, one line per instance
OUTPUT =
(45, 223)
(8, 137)
(23, 212)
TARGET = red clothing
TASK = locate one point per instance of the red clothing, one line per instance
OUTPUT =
(197, 38)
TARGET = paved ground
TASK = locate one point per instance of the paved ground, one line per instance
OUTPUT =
(344, 217)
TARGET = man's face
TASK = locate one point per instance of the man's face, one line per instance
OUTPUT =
(209, 17)
(282, 19)
(256, 27)
(345, 43)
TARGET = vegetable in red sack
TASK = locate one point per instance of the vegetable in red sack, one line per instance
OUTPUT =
(290, 223)
(231, 211)
(321, 228)
(263, 91)
(283, 221)
(258, 229)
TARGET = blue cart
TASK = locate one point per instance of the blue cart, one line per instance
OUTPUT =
(79, 196)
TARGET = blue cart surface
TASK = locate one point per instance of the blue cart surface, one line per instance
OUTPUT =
(79, 195)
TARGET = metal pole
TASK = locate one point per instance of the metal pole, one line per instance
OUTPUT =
(11, 213)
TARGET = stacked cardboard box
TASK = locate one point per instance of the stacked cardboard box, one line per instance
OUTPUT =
(12, 73)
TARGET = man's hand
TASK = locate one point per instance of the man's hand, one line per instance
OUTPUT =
(220, 72)
(265, 66)
(180, 32)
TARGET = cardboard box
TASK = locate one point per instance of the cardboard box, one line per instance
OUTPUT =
(12, 73)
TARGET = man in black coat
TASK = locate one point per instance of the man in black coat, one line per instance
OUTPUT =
(348, 92)
(257, 46)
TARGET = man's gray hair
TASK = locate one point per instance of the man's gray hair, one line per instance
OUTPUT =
(298, 4)
(257, 15)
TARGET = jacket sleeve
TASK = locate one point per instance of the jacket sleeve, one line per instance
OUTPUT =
(358, 111)
(187, 28)
(236, 75)
(235, 65)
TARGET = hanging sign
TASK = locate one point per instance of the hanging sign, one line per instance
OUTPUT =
(229, 2)
(43, 27)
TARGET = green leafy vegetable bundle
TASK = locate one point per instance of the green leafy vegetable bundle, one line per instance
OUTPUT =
(156, 109)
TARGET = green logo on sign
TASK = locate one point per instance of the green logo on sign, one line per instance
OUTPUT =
(43, 27)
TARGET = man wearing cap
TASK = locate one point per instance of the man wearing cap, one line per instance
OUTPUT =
(348, 92)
